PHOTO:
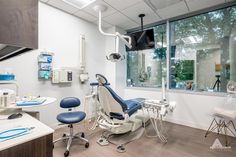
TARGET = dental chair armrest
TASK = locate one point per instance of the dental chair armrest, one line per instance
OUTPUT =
(126, 116)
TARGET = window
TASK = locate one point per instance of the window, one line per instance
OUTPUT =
(203, 51)
(146, 67)
(202, 54)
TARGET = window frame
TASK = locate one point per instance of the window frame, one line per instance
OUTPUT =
(168, 36)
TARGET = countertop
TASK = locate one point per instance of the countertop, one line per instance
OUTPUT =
(26, 120)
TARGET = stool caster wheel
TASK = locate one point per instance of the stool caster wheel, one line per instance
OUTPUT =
(66, 153)
(86, 145)
(82, 135)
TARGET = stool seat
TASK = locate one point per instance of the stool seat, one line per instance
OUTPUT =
(224, 113)
(71, 117)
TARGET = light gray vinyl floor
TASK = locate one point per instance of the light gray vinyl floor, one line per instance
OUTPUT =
(182, 142)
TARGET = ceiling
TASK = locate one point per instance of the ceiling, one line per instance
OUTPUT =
(124, 13)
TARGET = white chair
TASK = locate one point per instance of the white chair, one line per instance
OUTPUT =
(224, 116)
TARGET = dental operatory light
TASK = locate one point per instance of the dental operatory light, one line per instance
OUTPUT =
(80, 4)
(115, 56)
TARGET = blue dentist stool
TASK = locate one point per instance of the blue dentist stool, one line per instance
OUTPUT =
(70, 118)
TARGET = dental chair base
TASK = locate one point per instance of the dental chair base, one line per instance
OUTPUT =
(120, 127)
(127, 132)
(135, 122)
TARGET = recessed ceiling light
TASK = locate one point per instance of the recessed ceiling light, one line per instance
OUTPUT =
(80, 4)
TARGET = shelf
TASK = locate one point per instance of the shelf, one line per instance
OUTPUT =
(8, 82)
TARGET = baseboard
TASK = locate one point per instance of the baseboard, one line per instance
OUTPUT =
(187, 123)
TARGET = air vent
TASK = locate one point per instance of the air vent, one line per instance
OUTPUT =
(80, 4)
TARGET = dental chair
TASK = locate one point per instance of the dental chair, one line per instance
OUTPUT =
(69, 118)
(117, 115)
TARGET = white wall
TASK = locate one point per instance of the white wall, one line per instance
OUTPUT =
(58, 33)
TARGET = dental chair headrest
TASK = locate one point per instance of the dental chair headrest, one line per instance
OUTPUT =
(101, 79)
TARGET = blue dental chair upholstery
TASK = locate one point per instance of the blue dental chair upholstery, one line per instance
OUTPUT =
(128, 106)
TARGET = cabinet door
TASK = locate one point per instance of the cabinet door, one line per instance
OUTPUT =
(19, 23)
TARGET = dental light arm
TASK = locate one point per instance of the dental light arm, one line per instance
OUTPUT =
(100, 24)
(81, 53)
(123, 37)
(117, 34)
(83, 75)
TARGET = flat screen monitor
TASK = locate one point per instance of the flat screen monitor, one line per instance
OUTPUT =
(142, 40)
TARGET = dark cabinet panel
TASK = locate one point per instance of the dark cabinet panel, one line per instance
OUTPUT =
(19, 23)
(40, 147)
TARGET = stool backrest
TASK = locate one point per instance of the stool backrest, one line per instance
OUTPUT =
(69, 102)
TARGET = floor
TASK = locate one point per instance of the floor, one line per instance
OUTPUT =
(182, 142)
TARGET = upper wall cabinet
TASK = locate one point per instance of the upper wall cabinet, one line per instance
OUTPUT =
(18, 27)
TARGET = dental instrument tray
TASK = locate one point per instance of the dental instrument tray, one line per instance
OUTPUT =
(33, 102)
(15, 132)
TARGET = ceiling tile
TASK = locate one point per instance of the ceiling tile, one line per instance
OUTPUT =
(108, 12)
(160, 4)
(128, 25)
(116, 19)
(85, 16)
(104, 24)
(139, 8)
(62, 5)
(173, 10)
(201, 4)
(120, 5)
